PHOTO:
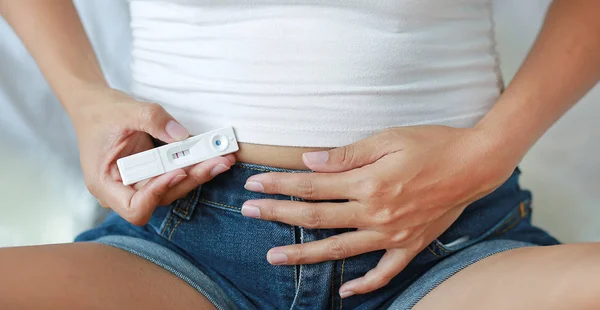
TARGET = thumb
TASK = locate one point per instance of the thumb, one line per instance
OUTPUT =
(156, 121)
(348, 157)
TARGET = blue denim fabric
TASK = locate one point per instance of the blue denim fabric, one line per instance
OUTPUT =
(204, 240)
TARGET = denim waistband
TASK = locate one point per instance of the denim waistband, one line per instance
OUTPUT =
(227, 189)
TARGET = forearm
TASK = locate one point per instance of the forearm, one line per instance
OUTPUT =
(53, 34)
(562, 66)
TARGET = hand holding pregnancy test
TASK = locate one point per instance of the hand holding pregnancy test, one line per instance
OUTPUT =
(160, 160)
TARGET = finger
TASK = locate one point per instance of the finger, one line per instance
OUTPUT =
(197, 175)
(306, 214)
(103, 204)
(348, 157)
(179, 192)
(140, 184)
(311, 186)
(332, 248)
(137, 206)
(154, 119)
(231, 158)
(390, 265)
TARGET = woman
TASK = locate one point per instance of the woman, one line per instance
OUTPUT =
(394, 105)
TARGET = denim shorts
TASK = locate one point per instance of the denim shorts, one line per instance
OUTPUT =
(206, 241)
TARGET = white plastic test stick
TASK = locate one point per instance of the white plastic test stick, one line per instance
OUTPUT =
(150, 163)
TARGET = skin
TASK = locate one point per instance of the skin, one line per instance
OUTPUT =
(549, 278)
(408, 204)
(89, 276)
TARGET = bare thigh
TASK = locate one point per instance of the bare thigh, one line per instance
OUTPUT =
(89, 276)
(556, 277)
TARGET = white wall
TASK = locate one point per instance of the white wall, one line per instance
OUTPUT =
(563, 168)
(42, 195)
(43, 200)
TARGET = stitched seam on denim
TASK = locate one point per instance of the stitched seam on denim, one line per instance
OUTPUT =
(332, 280)
(179, 207)
(187, 205)
(174, 228)
(167, 224)
(491, 232)
(474, 241)
(296, 280)
(294, 267)
(266, 168)
(342, 281)
(508, 223)
(513, 224)
(219, 204)
(520, 214)
(522, 208)
(443, 250)
(183, 211)
(298, 286)
(331, 296)
(258, 169)
(509, 227)
(433, 252)
(298, 292)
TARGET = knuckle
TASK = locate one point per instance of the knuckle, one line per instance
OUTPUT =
(198, 177)
(396, 189)
(347, 154)
(337, 248)
(151, 112)
(270, 212)
(306, 188)
(372, 188)
(298, 256)
(383, 216)
(134, 216)
(131, 212)
(380, 281)
(400, 236)
(274, 182)
(171, 197)
(311, 217)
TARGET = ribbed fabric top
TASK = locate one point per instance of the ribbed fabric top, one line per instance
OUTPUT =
(314, 72)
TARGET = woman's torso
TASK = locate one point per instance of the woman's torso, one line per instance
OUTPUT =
(310, 73)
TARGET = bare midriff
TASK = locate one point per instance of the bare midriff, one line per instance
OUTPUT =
(274, 156)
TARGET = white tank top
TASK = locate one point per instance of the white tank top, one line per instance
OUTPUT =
(319, 73)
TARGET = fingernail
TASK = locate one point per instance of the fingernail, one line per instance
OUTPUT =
(316, 158)
(254, 186)
(218, 169)
(176, 131)
(345, 294)
(250, 211)
(277, 258)
(177, 179)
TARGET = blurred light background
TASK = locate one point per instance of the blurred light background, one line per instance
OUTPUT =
(43, 198)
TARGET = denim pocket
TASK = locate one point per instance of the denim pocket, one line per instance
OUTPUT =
(476, 227)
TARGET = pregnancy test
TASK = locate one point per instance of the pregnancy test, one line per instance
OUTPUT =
(150, 163)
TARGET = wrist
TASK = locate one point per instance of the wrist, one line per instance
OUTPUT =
(81, 95)
(495, 153)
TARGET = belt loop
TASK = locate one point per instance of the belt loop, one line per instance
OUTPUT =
(184, 208)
